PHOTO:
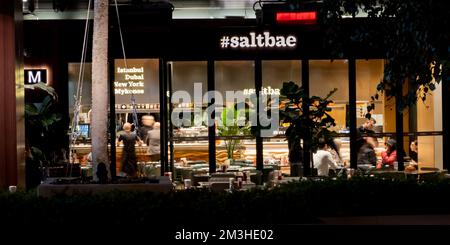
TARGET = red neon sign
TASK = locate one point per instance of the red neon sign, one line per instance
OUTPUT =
(307, 18)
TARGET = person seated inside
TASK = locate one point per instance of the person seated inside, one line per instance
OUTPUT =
(366, 152)
(323, 160)
(334, 146)
(389, 156)
(413, 153)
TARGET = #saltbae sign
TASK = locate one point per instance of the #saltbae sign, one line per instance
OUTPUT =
(258, 40)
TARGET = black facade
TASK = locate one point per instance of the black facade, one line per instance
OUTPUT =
(197, 40)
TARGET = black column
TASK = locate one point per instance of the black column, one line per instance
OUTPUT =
(446, 121)
(169, 83)
(163, 114)
(352, 112)
(259, 140)
(112, 119)
(307, 138)
(399, 125)
(212, 127)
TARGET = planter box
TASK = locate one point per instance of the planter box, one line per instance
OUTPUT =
(50, 190)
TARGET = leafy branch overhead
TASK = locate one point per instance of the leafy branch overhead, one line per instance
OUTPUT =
(413, 36)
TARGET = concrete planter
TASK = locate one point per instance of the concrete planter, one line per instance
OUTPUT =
(49, 190)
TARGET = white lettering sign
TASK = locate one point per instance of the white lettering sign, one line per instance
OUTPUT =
(34, 79)
(264, 40)
(34, 76)
(134, 81)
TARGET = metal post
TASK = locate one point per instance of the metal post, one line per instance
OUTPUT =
(163, 115)
(259, 140)
(352, 112)
(446, 121)
(307, 138)
(112, 120)
(399, 125)
(212, 127)
(169, 82)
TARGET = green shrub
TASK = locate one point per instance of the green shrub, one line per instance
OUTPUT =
(291, 203)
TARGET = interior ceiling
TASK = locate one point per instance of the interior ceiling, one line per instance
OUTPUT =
(74, 9)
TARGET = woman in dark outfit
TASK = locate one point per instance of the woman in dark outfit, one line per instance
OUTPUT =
(413, 151)
(129, 160)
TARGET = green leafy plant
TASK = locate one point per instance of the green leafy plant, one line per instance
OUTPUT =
(235, 124)
(40, 120)
(308, 126)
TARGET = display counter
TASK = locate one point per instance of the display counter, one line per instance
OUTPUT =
(273, 152)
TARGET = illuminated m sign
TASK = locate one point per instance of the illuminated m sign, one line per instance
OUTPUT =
(33, 76)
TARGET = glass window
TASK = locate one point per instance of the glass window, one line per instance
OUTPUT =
(428, 119)
(324, 76)
(429, 152)
(191, 139)
(423, 119)
(274, 74)
(136, 84)
(368, 74)
(235, 141)
(82, 146)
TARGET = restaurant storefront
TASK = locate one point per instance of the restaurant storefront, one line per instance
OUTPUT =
(171, 56)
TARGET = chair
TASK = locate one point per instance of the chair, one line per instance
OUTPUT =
(256, 178)
(314, 172)
(223, 175)
(430, 169)
(186, 173)
(266, 172)
(219, 186)
(432, 176)
(196, 178)
(177, 174)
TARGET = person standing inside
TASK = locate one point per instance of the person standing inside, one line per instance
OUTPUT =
(147, 124)
(154, 143)
(129, 159)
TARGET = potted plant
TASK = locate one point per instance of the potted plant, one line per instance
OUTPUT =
(40, 121)
(307, 127)
(235, 124)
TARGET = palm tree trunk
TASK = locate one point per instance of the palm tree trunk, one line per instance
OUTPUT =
(99, 121)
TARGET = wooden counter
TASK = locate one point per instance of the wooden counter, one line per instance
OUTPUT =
(197, 151)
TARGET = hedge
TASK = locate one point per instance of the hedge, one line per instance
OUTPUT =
(292, 203)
